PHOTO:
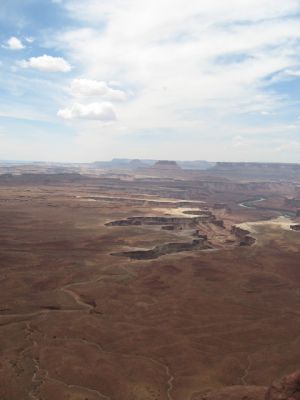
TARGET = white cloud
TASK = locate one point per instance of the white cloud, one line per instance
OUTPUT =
(88, 87)
(93, 111)
(14, 43)
(290, 72)
(30, 39)
(179, 56)
(46, 63)
(201, 72)
(198, 70)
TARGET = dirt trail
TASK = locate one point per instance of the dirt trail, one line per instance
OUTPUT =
(246, 372)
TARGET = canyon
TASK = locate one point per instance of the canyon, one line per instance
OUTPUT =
(155, 283)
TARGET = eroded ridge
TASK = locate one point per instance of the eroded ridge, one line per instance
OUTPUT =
(136, 221)
(243, 235)
(168, 248)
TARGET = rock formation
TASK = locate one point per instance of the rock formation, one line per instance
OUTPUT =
(244, 235)
(166, 165)
(288, 388)
(295, 227)
(168, 248)
(133, 221)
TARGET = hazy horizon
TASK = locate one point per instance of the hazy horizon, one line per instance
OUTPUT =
(97, 80)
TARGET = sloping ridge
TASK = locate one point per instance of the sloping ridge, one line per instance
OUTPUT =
(287, 388)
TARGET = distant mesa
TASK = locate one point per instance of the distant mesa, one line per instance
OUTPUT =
(136, 163)
(255, 165)
(256, 169)
(166, 165)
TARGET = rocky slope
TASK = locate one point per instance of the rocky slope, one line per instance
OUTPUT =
(288, 388)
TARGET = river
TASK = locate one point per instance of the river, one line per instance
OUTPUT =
(251, 203)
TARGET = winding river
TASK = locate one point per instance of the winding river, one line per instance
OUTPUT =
(251, 203)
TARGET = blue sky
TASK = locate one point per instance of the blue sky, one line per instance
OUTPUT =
(84, 81)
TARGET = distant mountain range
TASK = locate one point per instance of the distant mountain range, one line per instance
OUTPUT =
(128, 163)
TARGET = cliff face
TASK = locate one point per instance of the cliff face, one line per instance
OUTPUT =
(295, 227)
(243, 235)
(288, 388)
(168, 248)
(131, 221)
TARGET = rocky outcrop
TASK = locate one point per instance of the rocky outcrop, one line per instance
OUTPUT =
(219, 222)
(198, 234)
(288, 388)
(245, 238)
(133, 221)
(171, 228)
(247, 241)
(239, 232)
(168, 248)
(295, 227)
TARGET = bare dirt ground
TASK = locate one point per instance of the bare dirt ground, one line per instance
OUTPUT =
(79, 323)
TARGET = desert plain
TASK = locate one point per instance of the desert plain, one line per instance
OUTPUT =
(154, 284)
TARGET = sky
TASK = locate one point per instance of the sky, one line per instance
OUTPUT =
(91, 80)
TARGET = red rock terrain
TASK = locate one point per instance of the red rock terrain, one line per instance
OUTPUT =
(77, 322)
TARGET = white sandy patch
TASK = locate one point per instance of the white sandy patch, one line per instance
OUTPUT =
(177, 212)
(149, 198)
(280, 222)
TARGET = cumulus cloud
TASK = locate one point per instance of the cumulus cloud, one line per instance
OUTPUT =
(88, 87)
(46, 63)
(14, 43)
(186, 56)
(94, 111)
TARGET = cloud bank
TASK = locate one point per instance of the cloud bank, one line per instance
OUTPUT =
(93, 111)
(89, 87)
(186, 80)
(46, 63)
